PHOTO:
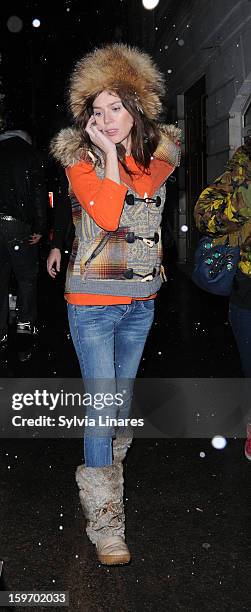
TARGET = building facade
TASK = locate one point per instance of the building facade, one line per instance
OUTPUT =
(204, 49)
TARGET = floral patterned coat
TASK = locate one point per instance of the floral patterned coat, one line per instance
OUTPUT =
(224, 208)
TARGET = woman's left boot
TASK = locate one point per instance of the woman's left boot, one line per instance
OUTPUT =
(121, 444)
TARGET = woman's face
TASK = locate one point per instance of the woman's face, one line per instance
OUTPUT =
(113, 119)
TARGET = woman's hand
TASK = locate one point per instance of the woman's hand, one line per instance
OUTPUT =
(53, 262)
(98, 138)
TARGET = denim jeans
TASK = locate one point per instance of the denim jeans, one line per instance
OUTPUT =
(240, 319)
(109, 342)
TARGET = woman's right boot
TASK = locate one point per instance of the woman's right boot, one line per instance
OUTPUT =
(101, 497)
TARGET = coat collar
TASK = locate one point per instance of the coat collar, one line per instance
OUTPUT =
(66, 146)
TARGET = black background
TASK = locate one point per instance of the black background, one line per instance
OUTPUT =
(36, 62)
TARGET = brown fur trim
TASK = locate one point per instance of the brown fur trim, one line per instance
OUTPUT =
(168, 148)
(116, 68)
(171, 130)
(66, 146)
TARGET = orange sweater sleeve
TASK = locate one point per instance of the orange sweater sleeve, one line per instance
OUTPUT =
(160, 171)
(103, 199)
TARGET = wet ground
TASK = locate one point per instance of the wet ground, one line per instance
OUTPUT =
(186, 502)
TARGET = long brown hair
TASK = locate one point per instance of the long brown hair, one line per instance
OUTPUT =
(145, 134)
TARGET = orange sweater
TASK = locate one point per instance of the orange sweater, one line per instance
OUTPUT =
(92, 192)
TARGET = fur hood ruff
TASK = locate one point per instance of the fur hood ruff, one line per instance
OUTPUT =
(66, 146)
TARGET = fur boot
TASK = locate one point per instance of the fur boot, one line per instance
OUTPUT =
(121, 444)
(101, 496)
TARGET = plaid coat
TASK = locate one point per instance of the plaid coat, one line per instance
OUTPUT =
(120, 266)
(105, 273)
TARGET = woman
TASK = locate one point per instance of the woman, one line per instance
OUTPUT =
(117, 160)
(224, 208)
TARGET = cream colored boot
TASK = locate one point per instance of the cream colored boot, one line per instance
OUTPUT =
(121, 444)
(101, 497)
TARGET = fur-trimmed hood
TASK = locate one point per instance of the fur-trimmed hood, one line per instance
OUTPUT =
(66, 146)
(117, 68)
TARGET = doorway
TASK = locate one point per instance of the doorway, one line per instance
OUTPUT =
(195, 155)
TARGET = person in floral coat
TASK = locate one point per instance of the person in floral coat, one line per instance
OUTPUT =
(224, 209)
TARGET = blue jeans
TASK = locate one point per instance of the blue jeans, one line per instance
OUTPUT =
(109, 342)
(240, 319)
